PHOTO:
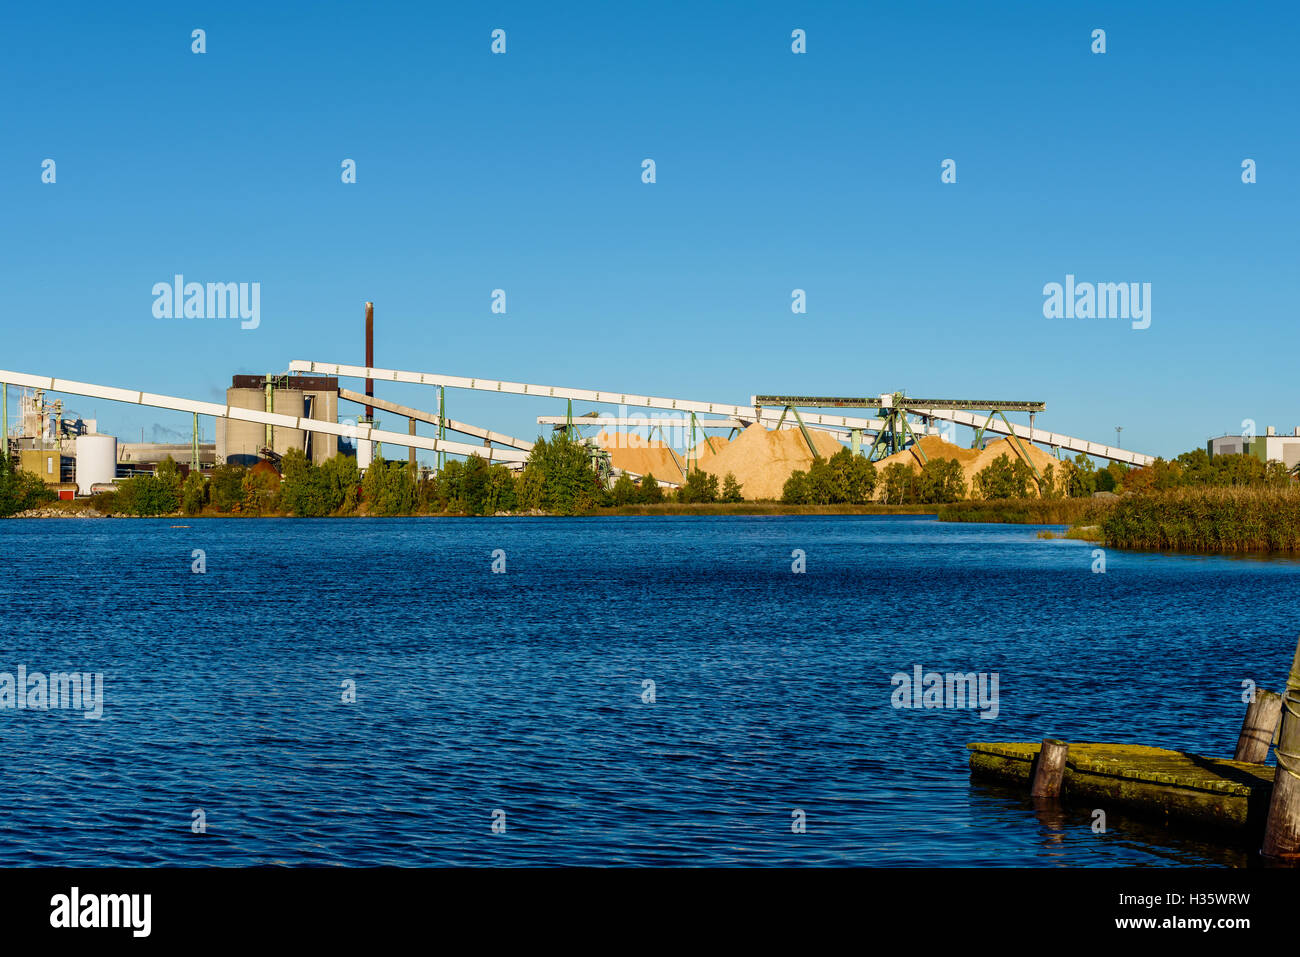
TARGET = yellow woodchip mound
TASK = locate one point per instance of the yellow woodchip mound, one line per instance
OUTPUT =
(629, 452)
(761, 460)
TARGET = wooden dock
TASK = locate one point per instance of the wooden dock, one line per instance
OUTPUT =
(1173, 786)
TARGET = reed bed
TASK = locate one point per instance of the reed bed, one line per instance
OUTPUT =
(1207, 520)
(1028, 511)
(762, 508)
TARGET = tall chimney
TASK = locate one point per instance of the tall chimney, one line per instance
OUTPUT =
(370, 355)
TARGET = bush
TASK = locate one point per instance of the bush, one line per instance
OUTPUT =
(731, 489)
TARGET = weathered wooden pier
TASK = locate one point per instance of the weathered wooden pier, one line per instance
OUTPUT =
(1245, 799)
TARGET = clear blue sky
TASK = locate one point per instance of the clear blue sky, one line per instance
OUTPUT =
(775, 171)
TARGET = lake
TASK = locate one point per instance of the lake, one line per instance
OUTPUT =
(508, 718)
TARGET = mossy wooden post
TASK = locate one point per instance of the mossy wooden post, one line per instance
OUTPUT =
(1257, 730)
(1050, 772)
(1282, 831)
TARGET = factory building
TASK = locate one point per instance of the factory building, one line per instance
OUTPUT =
(311, 397)
(136, 458)
(1269, 447)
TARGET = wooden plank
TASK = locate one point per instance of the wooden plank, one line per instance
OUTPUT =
(1177, 786)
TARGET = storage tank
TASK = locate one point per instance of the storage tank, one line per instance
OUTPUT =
(240, 442)
(96, 461)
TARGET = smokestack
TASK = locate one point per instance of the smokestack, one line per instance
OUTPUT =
(370, 355)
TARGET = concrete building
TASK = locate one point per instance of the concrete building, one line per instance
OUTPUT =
(312, 397)
(1269, 447)
(136, 457)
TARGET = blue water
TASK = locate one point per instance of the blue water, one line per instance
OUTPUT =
(522, 692)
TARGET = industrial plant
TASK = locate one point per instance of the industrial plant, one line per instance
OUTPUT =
(308, 409)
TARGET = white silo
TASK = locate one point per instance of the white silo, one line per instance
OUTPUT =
(96, 461)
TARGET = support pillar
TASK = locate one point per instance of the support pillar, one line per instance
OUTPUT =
(1282, 829)
(1259, 727)
(1049, 775)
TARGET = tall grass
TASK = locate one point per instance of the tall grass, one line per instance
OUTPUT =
(1207, 520)
(1028, 511)
(763, 508)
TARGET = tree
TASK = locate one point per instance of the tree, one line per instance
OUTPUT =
(226, 487)
(558, 477)
(700, 486)
(1003, 478)
(1083, 477)
(261, 490)
(795, 490)
(625, 491)
(20, 490)
(940, 480)
(169, 474)
(147, 495)
(852, 478)
(898, 483)
(731, 489)
(500, 490)
(844, 478)
(387, 488)
(193, 494)
(651, 493)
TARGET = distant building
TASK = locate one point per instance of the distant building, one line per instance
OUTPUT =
(1269, 447)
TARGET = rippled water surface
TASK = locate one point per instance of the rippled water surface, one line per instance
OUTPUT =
(523, 691)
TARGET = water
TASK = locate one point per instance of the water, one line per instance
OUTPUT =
(522, 692)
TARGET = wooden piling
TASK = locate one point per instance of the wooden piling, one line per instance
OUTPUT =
(1259, 727)
(1282, 830)
(1050, 772)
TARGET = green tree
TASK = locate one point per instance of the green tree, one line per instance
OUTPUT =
(898, 483)
(795, 490)
(20, 490)
(1003, 478)
(261, 491)
(388, 489)
(940, 480)
(699, 487)
(731, 490)
(852, 478)
(147, 495)
(1083, 477)
(558, 477)
(193, 494)
(500, 490)
(651, 492)
(226, 487)
(625, 491)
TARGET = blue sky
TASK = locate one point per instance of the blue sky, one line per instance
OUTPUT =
(775, 171)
